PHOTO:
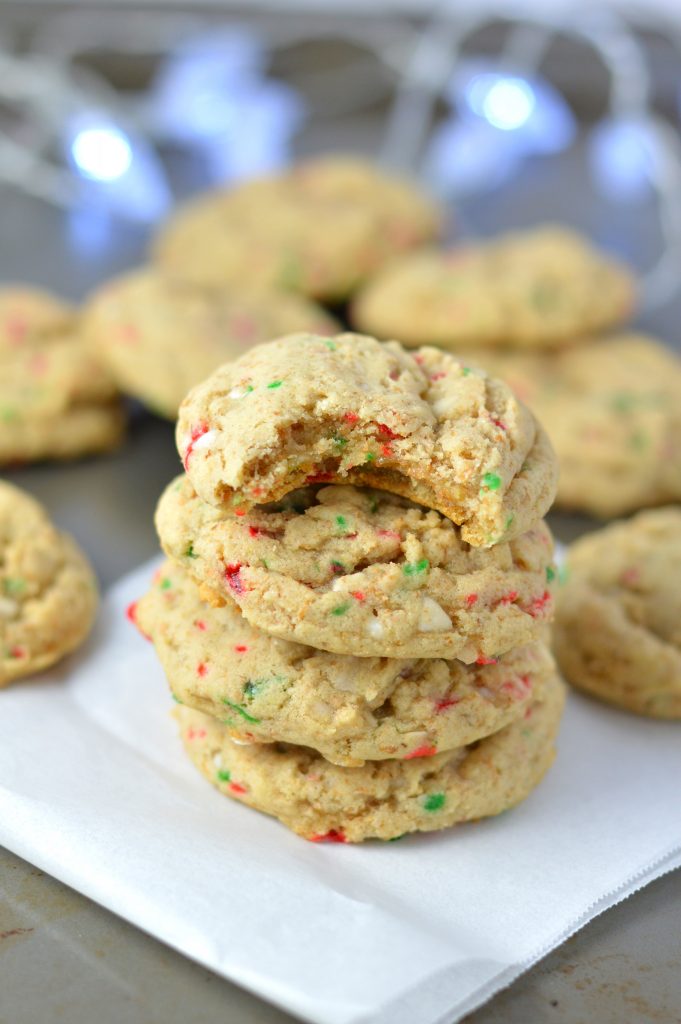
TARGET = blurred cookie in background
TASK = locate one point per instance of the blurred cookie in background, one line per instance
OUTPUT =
(158, 338)
(48, 591)
(612, 409)
(56, 398)
(321, 229)
(536, 289)
(617, 632)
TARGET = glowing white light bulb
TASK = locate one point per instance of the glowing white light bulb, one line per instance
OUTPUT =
(103, 154)
(509, 104)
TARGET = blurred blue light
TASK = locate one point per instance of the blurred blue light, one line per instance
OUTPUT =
(101, 153)
(467, 157)
(526, 111)
(506, 102)
(119, 171)
(623, 155)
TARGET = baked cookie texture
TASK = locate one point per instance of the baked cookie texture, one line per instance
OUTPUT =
(320, 229)
(617, 633)
(349, 409)
(384, 799)
(612, 409)
(537, 289)
(349, 709)
(363, 571)
(56, 399)
(159, 338)
(48, 592)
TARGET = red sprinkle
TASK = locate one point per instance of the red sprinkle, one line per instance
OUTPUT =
(239, 512)
(471, 600)
(393, 534)
(233, 577)
(385, 430)
(386, 451)
(483, 660)
(446, 702)
(351, 417)
(358, 595)
(200, 624)
(438, 376)
(498, 423)
(236, 787)
(334, 835)
(131, 616)
(18, 652)
(196, 734)
(420, 752)
(196, 433)
(538, 605)
(201, 669)
(508, 598)
(241, 648)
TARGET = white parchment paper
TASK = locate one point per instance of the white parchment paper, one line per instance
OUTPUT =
(95, 790)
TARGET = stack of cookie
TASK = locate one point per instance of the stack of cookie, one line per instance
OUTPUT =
(352, 616)
(532, 308)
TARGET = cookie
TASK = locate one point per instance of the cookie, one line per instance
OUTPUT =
(56, 399)
(159, 339)
(618, 626)
(48, 592)
(612, 409)
(364, 572)
(534, 289)
(350, 409)
(320, 229)
(384, 799)
(349, 709)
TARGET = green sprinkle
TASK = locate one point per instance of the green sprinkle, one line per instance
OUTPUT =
(491, 482)
(176, 698)
(253, 686)
(247, 389)
(465, 370)
(509, 523)
(394, 839)
(550, 574)
(624, 401)
(340, 609)
(342, 522)
(526, 733)
(264, 563)
(563, 575)
(274, 384)
(337, 566)
(340, 441)
(639, 440)
(223, 775)
(190, 553)
(241, 711)
(544, 296)
(373, 505)
(14, 586)
(434, 802)
(331, 345)
(369, 457)
(415, 568)
(7, 413)
(166, 584)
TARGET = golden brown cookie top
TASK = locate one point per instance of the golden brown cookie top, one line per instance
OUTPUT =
(350, 409)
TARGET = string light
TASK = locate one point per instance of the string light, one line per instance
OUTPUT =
(118, 170)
